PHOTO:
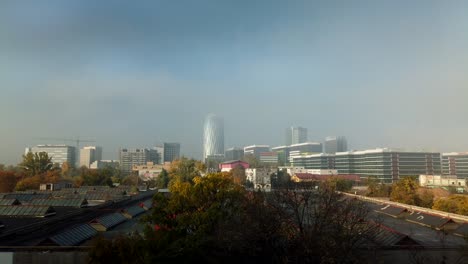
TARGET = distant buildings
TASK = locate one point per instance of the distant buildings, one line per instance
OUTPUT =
(285, 152)
(335, 144)
(136, 156)
(150, 170)
(213, 136)
(442, 181)
(102, 164)
(171, 152)
(229, 165)
(89, 155)
(234, 154)
(268, 157)
(58, 153)
(296, 135)
(455, 163)
(255, 150)
(260, 178)
(386, 165)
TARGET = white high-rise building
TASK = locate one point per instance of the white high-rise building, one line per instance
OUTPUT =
(213, 136)
(90, 154)
(58, 153)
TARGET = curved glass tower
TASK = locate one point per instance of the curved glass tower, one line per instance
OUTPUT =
(213, 136)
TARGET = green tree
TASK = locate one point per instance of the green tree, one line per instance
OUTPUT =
(253, 161)
(377, 189)
(36, 163)
(185, 169)
(163, 180)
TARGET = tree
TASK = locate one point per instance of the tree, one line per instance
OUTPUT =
(8, 181)
(405, 191)
(163, 180)
(457, 204)
(36, 163)
(184, 169)
(377, 189)
(280, 179)
(29, 183)
(90, 177)
(238, 174)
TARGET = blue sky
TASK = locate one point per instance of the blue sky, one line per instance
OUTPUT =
(135, 73)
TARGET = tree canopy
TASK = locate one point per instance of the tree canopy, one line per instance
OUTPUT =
(36, 163)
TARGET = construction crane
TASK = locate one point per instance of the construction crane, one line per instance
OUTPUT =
(77, 140)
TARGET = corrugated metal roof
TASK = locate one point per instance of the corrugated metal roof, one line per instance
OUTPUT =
(147, 204)
(74, 236)
(26, 211)
(427, 219)
(60, 202)
(134, 210)
(391, 210)
(110, 220)
(27, 196)
(9, 202)
(462, 230)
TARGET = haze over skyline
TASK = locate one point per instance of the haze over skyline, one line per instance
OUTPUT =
(134, 74)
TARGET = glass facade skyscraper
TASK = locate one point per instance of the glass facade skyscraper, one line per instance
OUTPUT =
(213, 136)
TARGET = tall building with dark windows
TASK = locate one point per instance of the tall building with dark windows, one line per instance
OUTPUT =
(171, 152)
(455, 163)
(213, 136)
(132, 157)
(234, 154)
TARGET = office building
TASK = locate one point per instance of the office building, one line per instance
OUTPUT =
(102, 164)
(58, 153)
(455, 163)
(160, 150)
(296, 135)
(335, 144)
(320, 161)
(213, 136)
(268, 157)
(171, 152)
(234, 154)
(443, 181)
(387, 165)
(285, 152)
(255, 150)
(89, 155)
(137, 156)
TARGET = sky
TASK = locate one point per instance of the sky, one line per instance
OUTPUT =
(137, 73)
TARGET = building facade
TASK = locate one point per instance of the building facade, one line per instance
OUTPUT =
(260, 178)
(102, 164)
(314, 161)
(296, 135)
(387, 165)
(335, 144)
(234, 154)
(255, 150)
(171, 152)
(89, 155)
(58, 153)
(136, 156)
(442, 181)
(213, 136)
(229, 165)
(455, 163)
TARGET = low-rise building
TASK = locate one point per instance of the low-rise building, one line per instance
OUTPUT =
(150, 170)
(309, 177)
(229, 165)
(442, 181)
(102, 164)
(260, 178)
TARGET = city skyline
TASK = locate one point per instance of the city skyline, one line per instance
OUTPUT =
(383, 74)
